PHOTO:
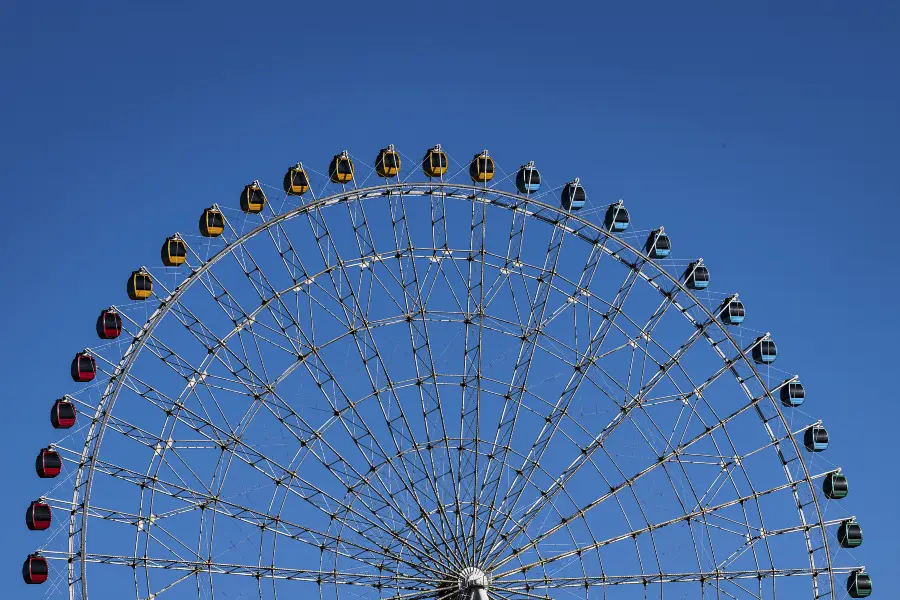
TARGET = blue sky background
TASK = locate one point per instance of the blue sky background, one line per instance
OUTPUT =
(765, 139)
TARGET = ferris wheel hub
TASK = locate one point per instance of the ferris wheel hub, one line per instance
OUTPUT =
(473, 583)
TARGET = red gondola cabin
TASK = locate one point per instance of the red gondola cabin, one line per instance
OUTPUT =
(38, 516)
(109, 324)
(35, 569)
(84, 367)
(48, 463)
(63, 414)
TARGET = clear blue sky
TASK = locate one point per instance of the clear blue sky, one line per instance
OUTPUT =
(766, 137)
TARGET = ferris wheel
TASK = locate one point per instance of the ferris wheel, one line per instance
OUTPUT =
(442, 382)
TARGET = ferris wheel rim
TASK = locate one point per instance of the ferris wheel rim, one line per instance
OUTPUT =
(449, 190)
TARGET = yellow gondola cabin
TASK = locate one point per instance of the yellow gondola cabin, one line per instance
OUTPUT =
(296, 181)
(212, 222)
(174, 251)
(140, 285)
(434, 163)
(481, 169)
(253, 200)
(388, 162)
(341, 168)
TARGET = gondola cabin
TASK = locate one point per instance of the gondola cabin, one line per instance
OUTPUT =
(696, 276)
(35, 569)
(47, 464)
(573, 196)
(84, 367)
(63, 414)
(764, 352)
(793, 394)
(140, 285)
(528, 179)
(617, 218)
(859, 584)
(815, 438)
(658, 244)
(253, 199)
(212, 222)
(38, 516)
(835, 486)
(109, 324)
(732, 312)
(849, 534)
(481, 169)
(388, 162)
(341, 168)
(434, 163)
(173, 251)
(296, 181)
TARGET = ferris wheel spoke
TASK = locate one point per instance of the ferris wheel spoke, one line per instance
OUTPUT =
(468, 451)
(279, 473)
(494, 470)
(630, 482)
(257, 381)
(138, 521)
(208, 500)
(554, 418)
(710, 577)
(691, 516)
(280, 239)
(162, 448)
(171, 585)
(271, 298)
(303, 280)
(512, 262)
(199, 376)
(364, 240)
(763, 535)
(781, 450)
(426, 372)
(373, 580)
(398, 426)
(776, 442)
(365, 244)
(438, 220)
(583, 285)
(550, 405)
(516, 235)
(150, 533)
(635, 400)
(588, 358)
(430, 411)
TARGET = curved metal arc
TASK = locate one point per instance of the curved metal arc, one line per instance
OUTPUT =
(522, 369)
(432, 407)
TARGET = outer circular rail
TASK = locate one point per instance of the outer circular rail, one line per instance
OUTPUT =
(570, 223)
